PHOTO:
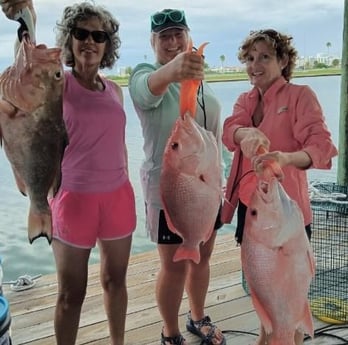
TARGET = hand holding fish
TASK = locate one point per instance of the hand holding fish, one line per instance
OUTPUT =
(186, 65)
(250, 140)
(268, 164)
(12, 7)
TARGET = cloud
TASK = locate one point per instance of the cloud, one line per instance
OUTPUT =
(224, 24)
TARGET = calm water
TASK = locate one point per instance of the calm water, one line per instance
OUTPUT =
(20, 257)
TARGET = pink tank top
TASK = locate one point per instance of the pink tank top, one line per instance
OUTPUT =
(95, 158)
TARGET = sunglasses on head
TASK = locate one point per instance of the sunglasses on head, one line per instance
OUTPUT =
(175, 16)
(269, 32)
(97, 35)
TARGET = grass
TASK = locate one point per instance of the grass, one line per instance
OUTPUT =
(238, 76)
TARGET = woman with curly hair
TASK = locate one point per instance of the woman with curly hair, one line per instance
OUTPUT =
(284, 118)
(95, 202)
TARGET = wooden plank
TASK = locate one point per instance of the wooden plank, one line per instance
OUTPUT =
(227, 304)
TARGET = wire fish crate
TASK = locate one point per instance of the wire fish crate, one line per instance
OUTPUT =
(328, 293)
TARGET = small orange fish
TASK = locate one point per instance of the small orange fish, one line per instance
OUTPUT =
(189, 88)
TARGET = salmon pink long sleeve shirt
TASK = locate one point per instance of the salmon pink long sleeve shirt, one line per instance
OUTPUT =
(293, 121)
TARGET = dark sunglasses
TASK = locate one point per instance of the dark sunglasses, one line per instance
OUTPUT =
(97, 35)
(175, 16)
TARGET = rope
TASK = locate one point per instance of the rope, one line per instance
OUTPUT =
(318, 195)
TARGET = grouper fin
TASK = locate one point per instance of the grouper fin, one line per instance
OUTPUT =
(20, 183)
(187, 253)
(189, 88)
(39, 225)
(58, 177)
(7, 108)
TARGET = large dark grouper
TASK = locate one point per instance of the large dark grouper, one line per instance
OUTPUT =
(32, 130)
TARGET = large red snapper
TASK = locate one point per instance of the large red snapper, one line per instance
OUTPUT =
(190, 185)
(32, 130)
(278, 263)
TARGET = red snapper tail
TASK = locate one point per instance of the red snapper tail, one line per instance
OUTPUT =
(187, 253)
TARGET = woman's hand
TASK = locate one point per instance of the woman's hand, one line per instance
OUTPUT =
(187, 65)
(11, 7)
(250, 139)
(269, 164)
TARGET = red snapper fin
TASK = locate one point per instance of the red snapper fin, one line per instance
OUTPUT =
(261, 312)
(307, 322)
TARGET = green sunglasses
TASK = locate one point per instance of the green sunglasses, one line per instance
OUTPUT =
(160, 18)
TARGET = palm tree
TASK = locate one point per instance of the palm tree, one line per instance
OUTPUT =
(222, 59)
(328, 45)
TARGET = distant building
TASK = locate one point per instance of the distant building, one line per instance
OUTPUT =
(304, 62)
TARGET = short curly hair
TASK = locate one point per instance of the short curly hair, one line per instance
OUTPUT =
(281, 44)
(81, 12)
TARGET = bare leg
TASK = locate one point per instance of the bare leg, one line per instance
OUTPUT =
(113, 270)
(197, 283)
(72, 282)
(197, 280)
(170, 288)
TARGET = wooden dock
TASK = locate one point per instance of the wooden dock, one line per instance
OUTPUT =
(227, 304)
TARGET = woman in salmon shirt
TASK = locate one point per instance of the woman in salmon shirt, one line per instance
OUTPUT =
(284, 118)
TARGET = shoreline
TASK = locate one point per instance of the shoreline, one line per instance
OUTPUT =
(242, 76)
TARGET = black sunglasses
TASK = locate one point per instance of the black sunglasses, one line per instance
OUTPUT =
(97, 35)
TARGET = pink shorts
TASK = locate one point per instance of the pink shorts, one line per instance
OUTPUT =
(80, 219)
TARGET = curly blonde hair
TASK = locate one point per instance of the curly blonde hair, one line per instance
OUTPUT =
(81, 12)
(280, 43)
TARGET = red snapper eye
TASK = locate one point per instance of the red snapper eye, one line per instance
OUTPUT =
(175, 146)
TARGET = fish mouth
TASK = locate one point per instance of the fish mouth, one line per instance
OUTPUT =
(266, 189)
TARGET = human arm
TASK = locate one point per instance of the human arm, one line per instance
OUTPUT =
(310, 145)
(238, 129)
(311, 131)
(186, 65)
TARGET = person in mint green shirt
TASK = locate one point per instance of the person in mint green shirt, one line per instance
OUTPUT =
(154, 89)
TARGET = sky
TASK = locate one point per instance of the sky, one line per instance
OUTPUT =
(223, 23)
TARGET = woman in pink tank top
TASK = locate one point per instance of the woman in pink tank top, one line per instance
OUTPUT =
(95, 202)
